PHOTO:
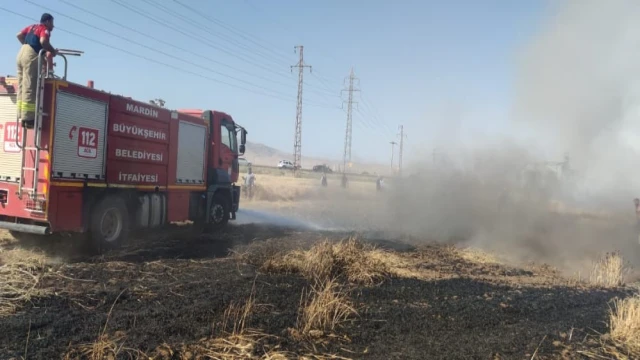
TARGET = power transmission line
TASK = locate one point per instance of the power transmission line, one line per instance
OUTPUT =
(260, 56)
(229, 27)
(269, 93)
(199, 26)
(199, 55)
(324, 85)
(274, 21)
(326, 55)
(152, 60)
(365, 120)
(348, 133)
(297, 143)
(375, 115)
(167, 24)
(220, 23)
(189, 20)
(124, 38)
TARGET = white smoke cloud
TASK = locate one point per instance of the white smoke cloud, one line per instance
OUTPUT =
(579, 84)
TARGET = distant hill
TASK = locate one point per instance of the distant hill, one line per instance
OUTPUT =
(261, 154)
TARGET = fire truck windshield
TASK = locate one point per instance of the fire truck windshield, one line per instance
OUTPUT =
(228, 136)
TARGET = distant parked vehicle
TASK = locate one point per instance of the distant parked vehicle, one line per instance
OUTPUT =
(243, 162)
(285, 164)
(322, 168)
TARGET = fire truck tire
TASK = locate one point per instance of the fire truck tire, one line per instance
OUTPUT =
(109, 223)
(220, 209)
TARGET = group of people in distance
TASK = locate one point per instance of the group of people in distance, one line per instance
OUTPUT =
(345, 182)
(250, 179)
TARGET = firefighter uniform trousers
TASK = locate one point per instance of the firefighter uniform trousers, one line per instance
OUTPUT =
(27, 62)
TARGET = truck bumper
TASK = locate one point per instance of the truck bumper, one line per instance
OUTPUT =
(25, 228)
(14, 207)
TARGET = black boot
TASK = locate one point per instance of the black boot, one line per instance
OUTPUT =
(28, 123)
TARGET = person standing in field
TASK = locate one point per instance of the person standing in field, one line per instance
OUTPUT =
(379, 183)
(636, 203)
(33, 39)
(323, 180)
(249, 181)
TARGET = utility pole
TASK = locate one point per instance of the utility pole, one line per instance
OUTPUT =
(348, 134)
(297, 143)
(400, 152)
(393, 144)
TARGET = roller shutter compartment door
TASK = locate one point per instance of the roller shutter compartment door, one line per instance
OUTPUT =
(79, 137)
(191, 152)
(10, 153)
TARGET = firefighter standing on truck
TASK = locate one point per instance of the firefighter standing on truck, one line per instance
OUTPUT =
(33, 39)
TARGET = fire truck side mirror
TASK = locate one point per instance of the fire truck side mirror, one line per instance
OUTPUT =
(242, 149)
(243, 137)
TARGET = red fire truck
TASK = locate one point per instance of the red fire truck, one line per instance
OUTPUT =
(103, 164)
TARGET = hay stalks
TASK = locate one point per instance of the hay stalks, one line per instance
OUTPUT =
(105, 347)
(236, 315)
(238, 341)
(325, 307)
(609, 271)
(351, 259)
(18, 281)
(624, 323)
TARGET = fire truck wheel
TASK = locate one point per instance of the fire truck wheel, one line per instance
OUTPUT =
(219, 211)
(109, 223)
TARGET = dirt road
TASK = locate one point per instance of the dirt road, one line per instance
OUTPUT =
(171, 295)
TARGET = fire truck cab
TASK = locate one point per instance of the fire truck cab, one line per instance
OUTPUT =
(104, 164)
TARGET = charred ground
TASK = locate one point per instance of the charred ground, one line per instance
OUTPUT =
(172, 295)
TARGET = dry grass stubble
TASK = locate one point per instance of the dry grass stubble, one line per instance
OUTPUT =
(235, 340)
(20, 273)
(106, 347)
(323, 309)
(609, 271)
(326, 305)
(238, 341)
(623, 340)
(624, 323)
(351, 260)
(273, 188)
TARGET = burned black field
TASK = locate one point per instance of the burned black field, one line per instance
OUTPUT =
(269, 292)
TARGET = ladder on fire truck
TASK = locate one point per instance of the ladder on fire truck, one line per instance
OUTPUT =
(21, 141)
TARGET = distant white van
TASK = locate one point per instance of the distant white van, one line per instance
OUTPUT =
(285, 164)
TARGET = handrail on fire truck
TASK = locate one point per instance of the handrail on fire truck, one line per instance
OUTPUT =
(37, 126)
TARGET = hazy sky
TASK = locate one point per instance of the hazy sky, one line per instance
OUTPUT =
(437, 67)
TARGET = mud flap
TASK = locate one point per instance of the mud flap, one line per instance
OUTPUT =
(235, 200)
(207, 209)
